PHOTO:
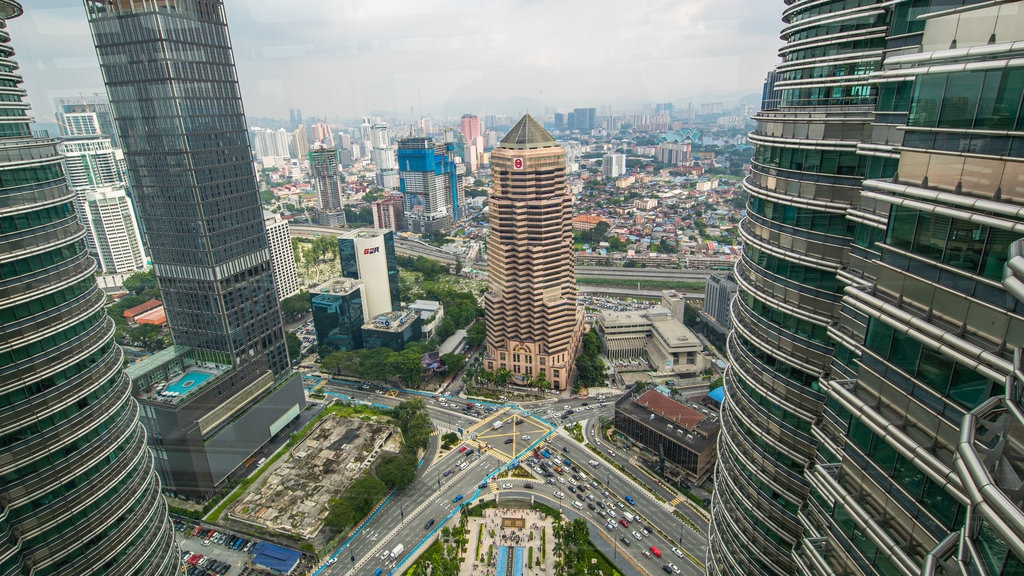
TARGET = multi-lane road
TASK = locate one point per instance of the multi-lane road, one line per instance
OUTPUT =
(403, 518)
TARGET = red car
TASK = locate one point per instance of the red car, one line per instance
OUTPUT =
(623, 522)
(655, 551)
(462, 448)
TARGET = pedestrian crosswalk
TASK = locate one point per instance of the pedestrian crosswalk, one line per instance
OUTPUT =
(675, 501)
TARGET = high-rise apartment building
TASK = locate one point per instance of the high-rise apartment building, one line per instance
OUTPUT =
(583, 119)
(383, 156)
(533, 324)
(718, 295)
(872, 422)
(613, 165)
(226, 387)
(96, 173)
(389, 212)
(78, 490)
(432, 193)
(300, 142)
(469, 125)
(322, 132)
(323, 166)
(86, 116)
(279, 240)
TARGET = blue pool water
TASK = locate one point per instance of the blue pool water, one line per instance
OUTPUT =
(517, 561)
(188, 382)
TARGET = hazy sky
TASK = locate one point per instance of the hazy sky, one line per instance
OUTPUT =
(350, 58)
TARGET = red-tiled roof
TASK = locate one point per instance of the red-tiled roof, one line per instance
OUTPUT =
(156, 316)
(669, 409)
(144, 307)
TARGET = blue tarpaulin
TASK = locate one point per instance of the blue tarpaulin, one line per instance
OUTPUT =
(718, 394)
(275, 558)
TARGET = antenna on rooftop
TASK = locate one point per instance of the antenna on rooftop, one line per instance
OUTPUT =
(419, 102)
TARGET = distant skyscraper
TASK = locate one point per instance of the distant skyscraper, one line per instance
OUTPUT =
(872, 423)
(613, 165)
(431, 189)
(389, 212)
(322, 132)
(323, 165)
(368, 254)
(383, 157)
(95, 172)
(300, 142)
(470, 126)
(227, 386)
(718, 295)
(583, 119)
(78, 491)
(559, 121)
(533, 323)
(286, 276)
(771, 96)
(294, 118)
(270, 143)
(87, 116)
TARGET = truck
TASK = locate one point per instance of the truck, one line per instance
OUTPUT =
(397, 550)
(497, 425)
(628, 516)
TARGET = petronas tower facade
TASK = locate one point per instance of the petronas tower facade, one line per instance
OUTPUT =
(873, 421)
(78, 495)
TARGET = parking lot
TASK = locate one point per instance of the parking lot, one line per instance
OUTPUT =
(218, 559)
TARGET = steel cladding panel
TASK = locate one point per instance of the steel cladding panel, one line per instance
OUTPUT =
(245, 435)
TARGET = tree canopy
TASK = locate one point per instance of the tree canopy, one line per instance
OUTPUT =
(589, 368)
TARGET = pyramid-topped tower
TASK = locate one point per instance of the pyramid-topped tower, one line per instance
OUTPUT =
(533, 324)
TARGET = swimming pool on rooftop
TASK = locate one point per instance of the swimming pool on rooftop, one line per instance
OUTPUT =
(188, 382)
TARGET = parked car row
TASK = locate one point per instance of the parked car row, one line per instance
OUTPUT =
(212, 536)
(199, 565)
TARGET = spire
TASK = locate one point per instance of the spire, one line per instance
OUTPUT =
(527, 133)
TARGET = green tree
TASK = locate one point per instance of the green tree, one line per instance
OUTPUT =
(396, 471)
(476, 334)
(409, 366)
(142, 283)
(589, 368)
(376, 363)
(341, 361)
(296, 304)
(294, 345)
(453, 362)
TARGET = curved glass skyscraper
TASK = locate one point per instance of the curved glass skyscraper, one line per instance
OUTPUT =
(806, 176)
(78, 494)
(873, 417)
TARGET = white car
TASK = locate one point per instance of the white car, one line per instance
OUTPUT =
(331, 561)
(610, 525)
(673, 568)
(559, 495)
(385, 555)
(620, 504)
(637, 535)
(526, 436)
(677, 551)
(506, 485)
(561, 480)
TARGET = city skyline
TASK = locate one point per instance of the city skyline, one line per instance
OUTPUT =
(385, 58)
